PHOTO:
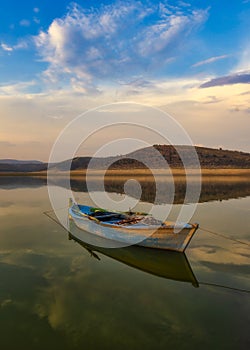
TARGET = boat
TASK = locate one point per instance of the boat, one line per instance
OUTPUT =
(118, 229)
(161, 263)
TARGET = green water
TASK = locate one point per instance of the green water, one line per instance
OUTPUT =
(54, 294)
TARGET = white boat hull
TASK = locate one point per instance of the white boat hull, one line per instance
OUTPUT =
(167, 238)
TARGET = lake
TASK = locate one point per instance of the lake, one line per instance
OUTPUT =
(55, 293)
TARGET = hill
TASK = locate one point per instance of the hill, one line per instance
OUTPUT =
(209, 158)
(16, 161)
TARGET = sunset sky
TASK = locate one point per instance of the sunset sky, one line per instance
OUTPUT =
(59, 59)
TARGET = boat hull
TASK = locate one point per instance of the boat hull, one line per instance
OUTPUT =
(167, 238)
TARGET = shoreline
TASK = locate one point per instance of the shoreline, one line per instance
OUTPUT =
(206, 172)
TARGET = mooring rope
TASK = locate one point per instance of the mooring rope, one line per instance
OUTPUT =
(224, 236)
(52, 210)
(225, 287)
(52, 218)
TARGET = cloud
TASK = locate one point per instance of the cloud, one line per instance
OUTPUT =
(24, 23)
(6, 47)
(194, 108)
(210, 60)
(240, 109)
(19, 88)
(212, 99)
(246, 92)
(139, 82)
(36, 20)
(36, 9)
(121, 40)
(244, 62)
(238, 78)
(21, 44)
(55, 116)
(163, 36)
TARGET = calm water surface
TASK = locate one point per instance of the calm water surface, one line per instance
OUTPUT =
(54, 294)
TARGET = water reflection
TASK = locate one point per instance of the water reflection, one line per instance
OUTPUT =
(167, 264)
(12, 182)
(52, 293)
(214, 188)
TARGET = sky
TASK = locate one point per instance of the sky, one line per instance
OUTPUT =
(58, 59)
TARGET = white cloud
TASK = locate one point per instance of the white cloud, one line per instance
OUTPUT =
(244, 61)
(36, 9)
(210, 60)
(194, 108)
(6, 47)
(21, 44)
(165, 36)
(14, 89)
(94, 45)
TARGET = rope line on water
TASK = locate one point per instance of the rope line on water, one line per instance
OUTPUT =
(225, 287)
(224, 236)
(52, 218)
(52, 210)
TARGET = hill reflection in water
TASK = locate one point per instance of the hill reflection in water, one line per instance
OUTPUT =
(214, 188)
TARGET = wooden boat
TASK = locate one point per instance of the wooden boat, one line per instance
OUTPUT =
(130, 228)
(162, 263)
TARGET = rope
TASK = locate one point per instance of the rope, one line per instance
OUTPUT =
(225, 287)
(52, 210)
(224, 236)
(54, 219)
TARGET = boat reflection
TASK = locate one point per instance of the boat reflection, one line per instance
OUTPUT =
(167, 264)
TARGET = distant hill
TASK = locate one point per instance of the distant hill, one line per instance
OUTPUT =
(208, 157)
(15, 161)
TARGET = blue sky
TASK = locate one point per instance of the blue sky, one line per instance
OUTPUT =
(166, 53)
(201, 30)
